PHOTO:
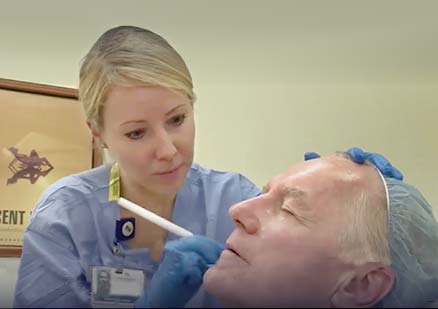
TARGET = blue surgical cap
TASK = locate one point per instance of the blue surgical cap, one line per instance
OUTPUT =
(413, 244)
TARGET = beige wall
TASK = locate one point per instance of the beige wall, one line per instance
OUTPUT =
(274, 78)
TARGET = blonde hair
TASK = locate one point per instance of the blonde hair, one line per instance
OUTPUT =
(365, 237)
(129, 56)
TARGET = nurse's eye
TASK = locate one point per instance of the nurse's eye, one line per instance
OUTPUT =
(136, 134)
(177, 120)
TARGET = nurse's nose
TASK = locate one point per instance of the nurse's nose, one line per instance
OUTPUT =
(245, 216)
(165, 147)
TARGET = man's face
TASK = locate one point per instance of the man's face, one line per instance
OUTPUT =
(103, 276)
(284, 249)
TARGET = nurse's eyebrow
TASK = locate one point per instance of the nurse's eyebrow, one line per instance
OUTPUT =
(144, 121)
(133, 121)
(175, 108)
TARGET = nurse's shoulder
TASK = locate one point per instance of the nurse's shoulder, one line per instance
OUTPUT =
(221, 181)
(75, 190)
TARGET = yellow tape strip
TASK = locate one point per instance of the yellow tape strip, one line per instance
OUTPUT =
(114, 183)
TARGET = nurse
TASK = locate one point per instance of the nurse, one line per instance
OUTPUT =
(138, 98)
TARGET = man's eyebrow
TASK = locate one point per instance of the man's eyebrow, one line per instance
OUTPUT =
(297, 195)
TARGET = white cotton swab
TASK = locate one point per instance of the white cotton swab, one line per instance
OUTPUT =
(154, 218)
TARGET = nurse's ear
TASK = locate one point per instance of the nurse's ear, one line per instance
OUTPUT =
(367, 285)
(97, 136)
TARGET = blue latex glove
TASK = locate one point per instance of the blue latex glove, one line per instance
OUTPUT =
(360, 156)
(180, 273)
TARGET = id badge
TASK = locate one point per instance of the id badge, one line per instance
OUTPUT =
(115, 287)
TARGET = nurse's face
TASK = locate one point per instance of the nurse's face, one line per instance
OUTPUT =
(150, 132)
(283, 251)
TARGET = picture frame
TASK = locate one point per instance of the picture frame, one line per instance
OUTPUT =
(43, 137)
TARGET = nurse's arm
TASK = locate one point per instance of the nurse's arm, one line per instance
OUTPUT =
(50, 274)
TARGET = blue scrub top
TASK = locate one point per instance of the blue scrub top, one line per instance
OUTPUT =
(73, 228)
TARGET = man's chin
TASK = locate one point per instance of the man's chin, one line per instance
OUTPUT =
(212, 280)
(216, 283)
(208, 276)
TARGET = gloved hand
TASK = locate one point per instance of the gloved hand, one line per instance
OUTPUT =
(360, 156)
(182, 268)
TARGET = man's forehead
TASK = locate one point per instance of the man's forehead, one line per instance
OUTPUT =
(331, 166)
(301, 169)
(314, 179)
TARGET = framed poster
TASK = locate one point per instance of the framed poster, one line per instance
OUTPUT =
(43, 137)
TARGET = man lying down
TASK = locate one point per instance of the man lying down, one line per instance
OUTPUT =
(325, 233)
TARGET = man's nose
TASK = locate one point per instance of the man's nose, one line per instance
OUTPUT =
(165, 148)
(244, 215)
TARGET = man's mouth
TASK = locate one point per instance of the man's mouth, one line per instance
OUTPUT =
(232, 250)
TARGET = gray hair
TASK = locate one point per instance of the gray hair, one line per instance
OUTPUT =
(364, 239)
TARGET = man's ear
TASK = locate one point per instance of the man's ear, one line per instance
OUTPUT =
(366, 286)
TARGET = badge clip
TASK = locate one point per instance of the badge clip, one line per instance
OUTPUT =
(125, 229)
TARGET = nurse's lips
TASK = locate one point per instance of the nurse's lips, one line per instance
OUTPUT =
(168, 171)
